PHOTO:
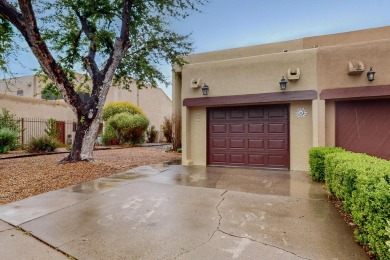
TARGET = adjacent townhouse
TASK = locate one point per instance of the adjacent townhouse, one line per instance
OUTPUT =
(265, 106)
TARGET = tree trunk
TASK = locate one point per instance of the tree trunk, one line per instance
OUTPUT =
(84, 141)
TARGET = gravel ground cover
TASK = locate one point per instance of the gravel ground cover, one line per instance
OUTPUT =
(24, 177)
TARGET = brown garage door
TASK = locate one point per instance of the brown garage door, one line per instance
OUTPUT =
(255, 136)
(364, 126)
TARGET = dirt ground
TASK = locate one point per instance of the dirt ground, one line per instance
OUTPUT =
(24, 177)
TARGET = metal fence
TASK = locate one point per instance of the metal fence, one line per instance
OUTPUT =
(35, 127)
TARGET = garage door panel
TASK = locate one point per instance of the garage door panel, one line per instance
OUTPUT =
(219, 128)
(237, 159)
(237, 128)
(218, 143)
(255, 128)
(277, 128)
(218, 114)
(249, 136)
(279, 112)
(276, 160)
(256, 160)
(237, 113)
(237, 144)
(277, 144)
(256, 144)
(219, 158)
(256, 113)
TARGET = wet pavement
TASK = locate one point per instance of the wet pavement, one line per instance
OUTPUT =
(178, 212)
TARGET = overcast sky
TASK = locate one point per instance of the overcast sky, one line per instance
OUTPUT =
(236, 23)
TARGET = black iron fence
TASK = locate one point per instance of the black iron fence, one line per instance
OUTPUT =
(35, 127)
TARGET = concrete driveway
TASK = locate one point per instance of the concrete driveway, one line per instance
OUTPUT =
(177, 212)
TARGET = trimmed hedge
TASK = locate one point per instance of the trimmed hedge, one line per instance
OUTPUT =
(317, 160)
(362, 182)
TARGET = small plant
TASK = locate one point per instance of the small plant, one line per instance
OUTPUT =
(51, 128)
(151, 134)
(168, 129)
(8, 139)
(42, 144)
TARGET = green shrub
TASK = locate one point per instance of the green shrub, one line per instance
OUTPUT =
(151, 134)
(113, 108)
(8, 139)
(129, 128)
(317, 161)
(110, 136)
(362, 182)
(42, 144)
(7, 120)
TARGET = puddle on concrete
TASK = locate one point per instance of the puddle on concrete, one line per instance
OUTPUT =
(258, 181)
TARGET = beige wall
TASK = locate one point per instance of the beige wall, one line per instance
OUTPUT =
(249, 51)
(259, 74)
(36, 108)
(301, 136)
(333, 61)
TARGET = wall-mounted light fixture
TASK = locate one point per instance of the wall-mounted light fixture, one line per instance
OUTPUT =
(371, 75)
(283, 83)
(205, 89)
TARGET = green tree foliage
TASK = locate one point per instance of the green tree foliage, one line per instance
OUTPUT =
(120, 41)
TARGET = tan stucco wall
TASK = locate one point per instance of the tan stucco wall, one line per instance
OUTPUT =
(301, 136)
(252, 75)
(246, 51)
(27, 107)
(333, 64)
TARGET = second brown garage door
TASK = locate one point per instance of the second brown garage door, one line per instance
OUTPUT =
(255, 136)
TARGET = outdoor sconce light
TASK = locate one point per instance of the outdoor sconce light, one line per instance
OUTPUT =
(90, 113)
(283, 83)
(371, 75)
(205, 90)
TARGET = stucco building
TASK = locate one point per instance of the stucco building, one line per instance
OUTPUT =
(247, 120)
(22, 96)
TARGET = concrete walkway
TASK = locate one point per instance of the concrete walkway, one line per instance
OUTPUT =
(176, 212)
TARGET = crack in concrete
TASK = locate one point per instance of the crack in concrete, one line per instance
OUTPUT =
(236, 236)
(262, 243)
(215, 231)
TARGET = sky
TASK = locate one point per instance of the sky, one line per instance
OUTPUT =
(224, 24)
